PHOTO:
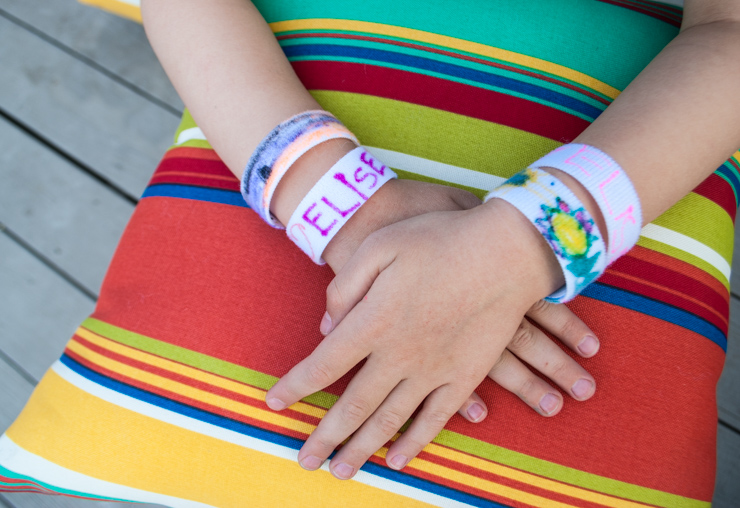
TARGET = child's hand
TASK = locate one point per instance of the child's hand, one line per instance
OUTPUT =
(431, 302)
(403, 199)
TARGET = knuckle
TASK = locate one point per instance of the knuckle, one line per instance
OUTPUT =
(356, 410)
(318, 374)
(569, 327)
(334, 298)
(527, 389)
(541, 307)
(524, 337)
(389, 421)
(437, 417)
(560, 370)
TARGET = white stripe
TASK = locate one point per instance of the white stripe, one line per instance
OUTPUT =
(687, 244)
(21, 461)
(227, 435)
(438, 170)
(193, 133)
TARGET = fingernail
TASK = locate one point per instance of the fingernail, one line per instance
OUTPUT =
(343, 471)
(582, 388)
(399, 461)
(325, 325)
(475, 412)
(588, 346)
(276, 404)
(311, 463)
(549, 403)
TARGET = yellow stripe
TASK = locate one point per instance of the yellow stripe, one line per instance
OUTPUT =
(184, 370)
(449, 42)
(284, 422)
(84, 433)
(121, 8)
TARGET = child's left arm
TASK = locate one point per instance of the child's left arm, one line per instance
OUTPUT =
(411, 300)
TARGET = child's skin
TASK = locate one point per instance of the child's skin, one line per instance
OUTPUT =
(419, 298)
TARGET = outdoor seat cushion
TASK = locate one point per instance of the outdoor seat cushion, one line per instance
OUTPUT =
(159, 395)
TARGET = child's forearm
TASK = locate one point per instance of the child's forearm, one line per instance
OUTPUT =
(229, 70)
(679, 119)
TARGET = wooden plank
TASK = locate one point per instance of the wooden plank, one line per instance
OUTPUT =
(728, 388)
(71, 218)
(727, 487)
(117, 45)
(88, 115)
(40, 310)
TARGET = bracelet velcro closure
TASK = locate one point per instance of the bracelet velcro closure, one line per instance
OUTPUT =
(334, 199)
(563, 221)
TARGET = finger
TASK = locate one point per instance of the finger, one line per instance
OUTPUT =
(474, 409)
(353, 281)
(535, 348)
(377, 430)
(333, 357)
(559, 320)
(515, 377)
(437, 410)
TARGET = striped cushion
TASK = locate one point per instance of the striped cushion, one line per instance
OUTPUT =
(159, 395)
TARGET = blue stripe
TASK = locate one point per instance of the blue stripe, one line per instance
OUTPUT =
(225, 197)
(654, 308)
(266, 435)
(731, 177)
(457, 71)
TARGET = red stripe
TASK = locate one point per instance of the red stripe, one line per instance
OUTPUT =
(670, 278)
(613, 279)
(210, 173)
(187, 381)
(436, 93)
(460, 56)
(190, 152)
(720, 191)
(644, 10)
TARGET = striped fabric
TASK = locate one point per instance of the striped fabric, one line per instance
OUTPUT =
(158, 397)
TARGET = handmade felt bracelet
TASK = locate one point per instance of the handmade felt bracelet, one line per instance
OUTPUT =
(610, 187)
(279, 150)
(563, 221)
(334, 199)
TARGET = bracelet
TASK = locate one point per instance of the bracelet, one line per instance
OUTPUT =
(277, 152)
(334, 199)
(610, 187)
(563, 221)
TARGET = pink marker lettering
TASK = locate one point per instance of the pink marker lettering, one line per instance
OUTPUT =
(343, 179)
(299, 236)
(587, 155)
(364, 158)
(363, 177)
(341, 212)
(315, 219)
(603, 194)
(623, 218)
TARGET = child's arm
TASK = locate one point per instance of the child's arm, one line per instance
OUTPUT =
(415, 296)
(231, 73)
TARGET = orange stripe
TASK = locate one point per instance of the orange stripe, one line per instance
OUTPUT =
(189, 152)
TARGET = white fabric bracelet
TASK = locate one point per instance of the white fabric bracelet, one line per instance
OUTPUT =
(334, 199)
(610, 187)
(563, 221)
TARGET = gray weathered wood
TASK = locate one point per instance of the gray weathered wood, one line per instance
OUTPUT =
(115, 44)
(98, 121)
(728, 388)
(28, 500)
(71, 218)
(40, 310)
(727, 487)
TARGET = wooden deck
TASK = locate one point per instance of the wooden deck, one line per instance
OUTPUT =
(85, 115)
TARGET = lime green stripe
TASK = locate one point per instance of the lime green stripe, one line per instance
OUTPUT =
(447, 77)
(574, 94)
(186, 122)
(703, 220)
(437, 135)
(607, 42)
(685, 257)
(34, 482)
(447, 438)
(565, 474)
(195, 143)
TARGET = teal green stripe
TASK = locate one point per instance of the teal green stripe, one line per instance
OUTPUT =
(608, 42)
(450, 60)
(448, 78)
(67, 492)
